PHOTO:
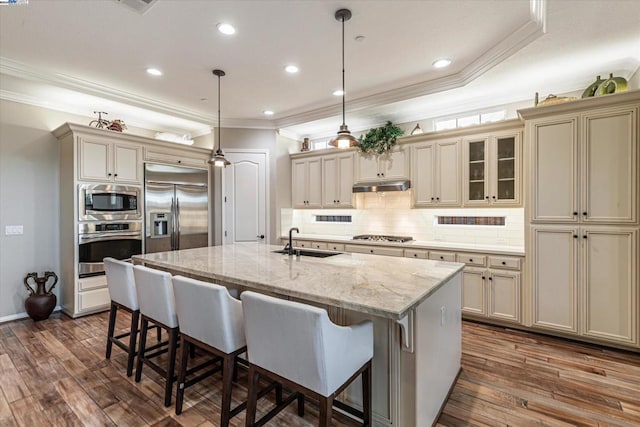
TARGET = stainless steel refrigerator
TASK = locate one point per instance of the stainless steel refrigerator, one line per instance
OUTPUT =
(176, 208)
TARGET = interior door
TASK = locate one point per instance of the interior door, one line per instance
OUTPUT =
(192, 212)
(244, 198)
(157, 199)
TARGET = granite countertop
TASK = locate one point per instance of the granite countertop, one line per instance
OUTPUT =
(382, 286)
(418, 244)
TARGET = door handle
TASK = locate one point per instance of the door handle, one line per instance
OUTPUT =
(173, 224)
(177, 223)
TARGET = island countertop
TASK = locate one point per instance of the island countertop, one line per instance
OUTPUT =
(378, 285)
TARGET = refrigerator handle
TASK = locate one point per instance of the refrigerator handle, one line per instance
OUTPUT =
(177, 223)
(173, 225)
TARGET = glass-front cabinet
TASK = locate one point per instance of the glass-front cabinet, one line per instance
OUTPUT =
(492, 173)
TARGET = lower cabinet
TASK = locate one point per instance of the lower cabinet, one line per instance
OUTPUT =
(491, 293)
(585, 281)
(92, 296)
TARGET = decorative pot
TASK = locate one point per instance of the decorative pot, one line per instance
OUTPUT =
(40, 302)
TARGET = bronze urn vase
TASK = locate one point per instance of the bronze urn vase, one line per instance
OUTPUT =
(40, 302)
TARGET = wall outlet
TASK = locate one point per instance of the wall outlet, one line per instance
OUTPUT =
(13, 230)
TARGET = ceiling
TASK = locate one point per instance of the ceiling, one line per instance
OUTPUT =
(80, 56)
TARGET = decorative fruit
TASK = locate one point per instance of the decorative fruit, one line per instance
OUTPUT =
(591, 90)
(612, 85)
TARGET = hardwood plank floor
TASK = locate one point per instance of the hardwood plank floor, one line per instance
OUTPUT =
(54, 372)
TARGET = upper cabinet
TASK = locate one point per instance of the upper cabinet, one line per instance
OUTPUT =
(177, 157)
(337, 180)
(584, 167)
(491, 171)
(306, 186)
(435, 173)
(389, 166)
(108, 161)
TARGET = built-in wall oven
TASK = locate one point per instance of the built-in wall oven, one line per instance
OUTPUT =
(96, 241)
(107, 202)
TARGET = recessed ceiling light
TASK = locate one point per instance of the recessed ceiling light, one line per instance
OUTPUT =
(338, 92)
(225, 28)
(154, 71)
(291, 69)
(268, 113)
(441, 63)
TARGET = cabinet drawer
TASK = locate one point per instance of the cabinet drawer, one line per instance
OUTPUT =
(416, 253)
(374, 250)
(319, 245)
(95, 299)
(511, 263)
(89, 283)
(302, 244)
(442, 256)
(472, 259)
(336, 247)
(176, 157)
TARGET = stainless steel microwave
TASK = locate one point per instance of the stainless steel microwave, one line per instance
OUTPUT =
(108, 202)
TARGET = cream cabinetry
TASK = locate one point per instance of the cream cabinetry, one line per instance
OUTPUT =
(337, 180)
(582, 218)
(374, 250)
(176, 157)
(585, 281)
(389, 166)
(306, 184)
(492, 172)
(103, 160)
(435, 173)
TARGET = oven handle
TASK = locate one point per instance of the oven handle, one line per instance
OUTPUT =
(104, 237)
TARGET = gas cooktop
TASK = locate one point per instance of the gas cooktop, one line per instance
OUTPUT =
(380, 238)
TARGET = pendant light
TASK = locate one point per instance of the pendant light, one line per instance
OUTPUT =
(344, 138)
(218, 158)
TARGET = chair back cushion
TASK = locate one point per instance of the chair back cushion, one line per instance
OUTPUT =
(155, 295)
(286, 338)
(120, 281)
(209, 314)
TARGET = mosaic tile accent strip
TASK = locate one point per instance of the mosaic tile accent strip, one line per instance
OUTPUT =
(333, 218)
(472, 220)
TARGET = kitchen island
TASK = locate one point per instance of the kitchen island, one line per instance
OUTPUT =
(414, 305)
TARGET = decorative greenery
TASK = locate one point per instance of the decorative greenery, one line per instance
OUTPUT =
(380, 140)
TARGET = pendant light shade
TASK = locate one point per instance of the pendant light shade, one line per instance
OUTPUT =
(218, 158)
(344, 139)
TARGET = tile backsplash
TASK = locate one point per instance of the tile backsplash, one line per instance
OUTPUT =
(391, 214)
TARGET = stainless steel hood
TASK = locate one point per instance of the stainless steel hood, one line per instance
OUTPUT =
(379, 186)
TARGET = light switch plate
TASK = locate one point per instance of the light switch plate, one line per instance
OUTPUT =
(13, 230)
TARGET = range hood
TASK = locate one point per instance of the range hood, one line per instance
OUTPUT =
(379, 186)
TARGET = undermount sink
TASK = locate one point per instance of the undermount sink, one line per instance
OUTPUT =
(316, 254)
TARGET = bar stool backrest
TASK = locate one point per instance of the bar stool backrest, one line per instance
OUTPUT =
(155, 295)
(209, 314)
(121, 283)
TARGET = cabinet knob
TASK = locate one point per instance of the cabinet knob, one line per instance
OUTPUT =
(483, 277)
(487, 197)
(108, 174)
(378, 174)
(382, 174)
(441, 257)
(337, 201)
(575, 213)
(415, 255)
(575, 236)
(490, 278)
(432, 198)
(179, 161)
(493, 197)
(584, 237)
(584, 213)
(437, 198)
(504, 263)
(115, 174)
(371, 250)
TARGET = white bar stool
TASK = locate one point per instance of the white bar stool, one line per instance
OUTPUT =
(210, 319)
(122, 290)
(157, 304)
(297, 345)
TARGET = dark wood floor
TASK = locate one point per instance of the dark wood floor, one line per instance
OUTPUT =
(54, 373)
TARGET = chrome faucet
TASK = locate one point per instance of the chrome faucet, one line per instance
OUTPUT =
(289, 246)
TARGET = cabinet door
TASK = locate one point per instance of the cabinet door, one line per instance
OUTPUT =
(344, 186)
(610, 262)
(554, 264)
(504, 295)
(314, 198)
(554, 170)
(448, 170)
(367, 170)
(505, 170)
(393, 165)
(476, 191)
(95, 159)
(473, 291)
(126, 163)
(330, 178)
(299, 183)
(610, 174)
(423, 174)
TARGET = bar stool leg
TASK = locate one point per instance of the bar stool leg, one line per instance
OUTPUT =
(300, 405)
(135, 321)
(252, 397)
(366, 395)
(228, 365)
(326, 409)
(112, 326)
(173, 344)
(143, 343)
(182, 373)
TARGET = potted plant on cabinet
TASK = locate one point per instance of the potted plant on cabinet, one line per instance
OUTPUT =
(380, 140)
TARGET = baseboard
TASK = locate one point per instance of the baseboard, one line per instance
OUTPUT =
(22, 315)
